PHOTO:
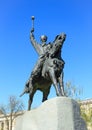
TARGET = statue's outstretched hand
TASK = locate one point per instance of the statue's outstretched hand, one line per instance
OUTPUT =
(32, 30)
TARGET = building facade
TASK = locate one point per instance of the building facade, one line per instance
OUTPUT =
(5, 121)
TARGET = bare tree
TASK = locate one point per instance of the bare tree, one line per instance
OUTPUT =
(72, 90)
(11, 110)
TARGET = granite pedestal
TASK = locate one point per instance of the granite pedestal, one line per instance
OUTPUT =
(60, 113)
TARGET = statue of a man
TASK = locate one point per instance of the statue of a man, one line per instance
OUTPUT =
(43, 50)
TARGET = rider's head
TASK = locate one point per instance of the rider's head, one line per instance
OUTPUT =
(43, 38)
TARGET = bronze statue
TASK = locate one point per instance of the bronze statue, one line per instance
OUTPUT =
(48, 69)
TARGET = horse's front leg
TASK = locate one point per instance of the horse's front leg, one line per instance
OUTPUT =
(61, 84)
(30, 101)
(54, 81)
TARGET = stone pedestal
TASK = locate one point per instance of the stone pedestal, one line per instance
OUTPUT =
(60, 113)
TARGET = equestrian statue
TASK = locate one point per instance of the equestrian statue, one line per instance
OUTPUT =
(48, 70)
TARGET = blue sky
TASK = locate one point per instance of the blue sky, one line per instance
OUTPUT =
(18, 57)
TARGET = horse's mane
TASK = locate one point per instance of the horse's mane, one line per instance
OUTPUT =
(55, 38)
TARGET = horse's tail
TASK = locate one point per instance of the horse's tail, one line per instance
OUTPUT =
(26, 90)
(22, 94)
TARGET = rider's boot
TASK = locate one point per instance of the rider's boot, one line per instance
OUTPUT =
(32, 77)
(30, 81)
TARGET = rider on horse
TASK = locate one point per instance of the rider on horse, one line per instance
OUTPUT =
(43, 50)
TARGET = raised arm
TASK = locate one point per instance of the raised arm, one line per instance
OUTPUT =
(34, 43)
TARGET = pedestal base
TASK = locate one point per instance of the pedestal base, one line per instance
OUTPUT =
(60, 113)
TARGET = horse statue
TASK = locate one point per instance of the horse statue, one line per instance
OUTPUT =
(51, 73)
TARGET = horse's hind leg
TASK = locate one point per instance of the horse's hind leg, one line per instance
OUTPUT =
(30, 99)
(45, 94)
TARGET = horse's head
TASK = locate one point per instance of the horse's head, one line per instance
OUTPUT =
(60, 37)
